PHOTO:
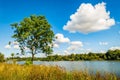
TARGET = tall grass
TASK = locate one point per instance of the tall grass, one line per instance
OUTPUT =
(42, 72)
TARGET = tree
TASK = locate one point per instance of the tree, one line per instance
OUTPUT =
(35, 34)
(1, 57)
(17, 54)
(12, 54)
(113, 54)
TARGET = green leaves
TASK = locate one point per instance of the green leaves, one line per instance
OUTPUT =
(36, 32)
(1, 57)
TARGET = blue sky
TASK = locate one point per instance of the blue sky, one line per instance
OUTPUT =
(74, 37)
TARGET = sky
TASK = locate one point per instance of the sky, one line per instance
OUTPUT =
(81, 26)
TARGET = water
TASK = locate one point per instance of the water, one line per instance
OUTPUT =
(91, 66)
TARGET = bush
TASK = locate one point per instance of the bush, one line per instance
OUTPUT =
(28, 62)
(1, 57)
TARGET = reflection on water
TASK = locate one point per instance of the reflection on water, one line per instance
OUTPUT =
(91, 66)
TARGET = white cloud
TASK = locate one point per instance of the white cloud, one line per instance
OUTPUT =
(61, 39)
(89, 18)
(75, 45)
(89, 50)
(102, 51)
(103, 43)
(7, 46)
(86, 51)
(15, 43)
(55, 45)
(16, 47)
(66, 52)
(115, 47)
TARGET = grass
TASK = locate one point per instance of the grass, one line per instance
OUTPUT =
(42, 72)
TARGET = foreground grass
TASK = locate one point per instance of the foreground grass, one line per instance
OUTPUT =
(41, 72)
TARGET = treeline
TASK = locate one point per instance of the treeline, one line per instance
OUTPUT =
(109, 55)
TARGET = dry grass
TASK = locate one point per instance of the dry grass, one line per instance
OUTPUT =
(41, 72)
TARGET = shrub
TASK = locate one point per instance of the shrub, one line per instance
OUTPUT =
(1, 57)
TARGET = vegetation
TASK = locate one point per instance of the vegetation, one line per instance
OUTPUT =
(41, 72)
(109, 55)
(2, 57)
(34, 34)
(113, 55)
(12, 54)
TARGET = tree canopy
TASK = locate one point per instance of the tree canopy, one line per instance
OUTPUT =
(34, 34)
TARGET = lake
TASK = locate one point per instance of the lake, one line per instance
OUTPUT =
(91, 66)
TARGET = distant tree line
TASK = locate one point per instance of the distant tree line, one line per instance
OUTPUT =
(109, 55)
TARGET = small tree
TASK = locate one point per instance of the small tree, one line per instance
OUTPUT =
(35, 34)
(1, 57)
(12, 54)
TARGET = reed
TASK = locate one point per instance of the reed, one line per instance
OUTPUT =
(42, 72)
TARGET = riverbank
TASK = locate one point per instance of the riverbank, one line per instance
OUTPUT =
(109, 55)
(42, 72)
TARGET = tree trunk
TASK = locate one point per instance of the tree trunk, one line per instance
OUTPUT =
(32, 59)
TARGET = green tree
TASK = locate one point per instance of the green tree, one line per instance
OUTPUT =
(17, 53)
(1, 57)
(113, 54)
(12, 54)
(35, 34)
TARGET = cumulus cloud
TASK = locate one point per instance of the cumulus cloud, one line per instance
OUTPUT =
(89, 18)
(15, 43)
(66, 52)
(60, 39)
(74, 45)
(7, 46)
(16, 47)
(55, 45)
(115, 47)
(102, 51)
(88, 50)
(103, 43)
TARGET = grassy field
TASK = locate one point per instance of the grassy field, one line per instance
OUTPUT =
(41, 72)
